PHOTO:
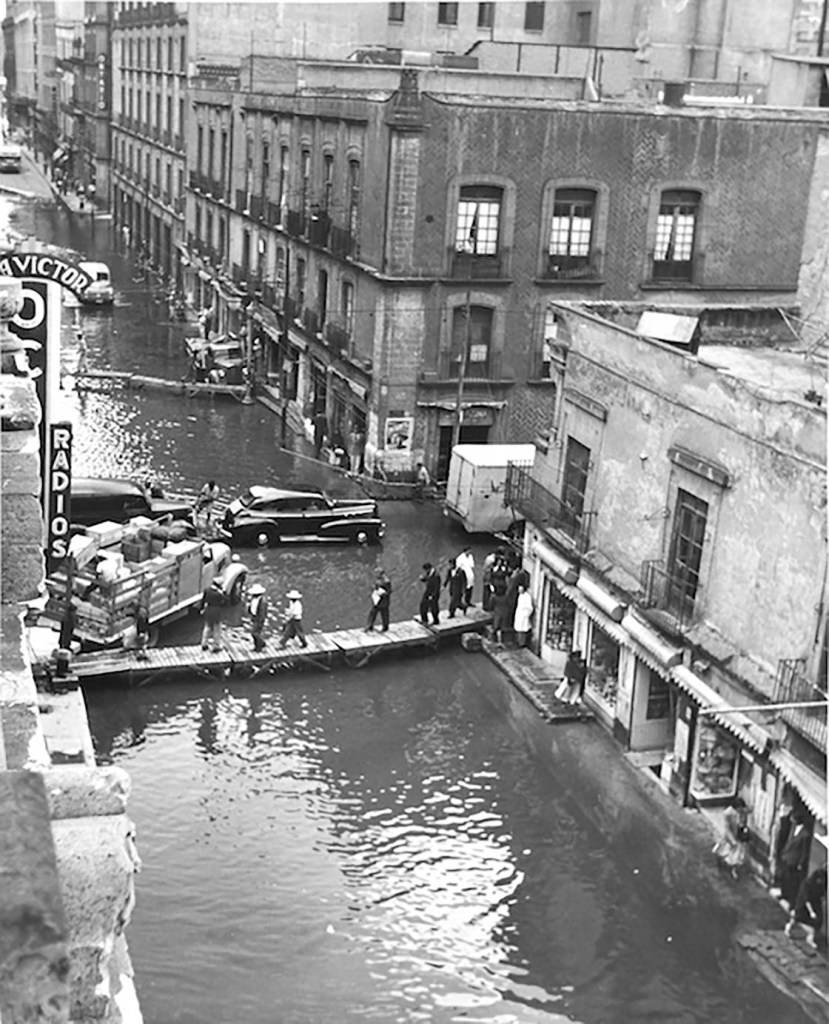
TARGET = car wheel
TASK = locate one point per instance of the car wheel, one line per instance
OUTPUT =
(272, 538)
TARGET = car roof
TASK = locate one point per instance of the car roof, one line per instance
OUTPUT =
(93, 267)
(103, 486)
(258, 491)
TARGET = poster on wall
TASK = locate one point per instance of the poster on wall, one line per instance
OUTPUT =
(398, 434)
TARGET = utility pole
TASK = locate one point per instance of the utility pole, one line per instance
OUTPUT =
(456, 430)
(821, 32)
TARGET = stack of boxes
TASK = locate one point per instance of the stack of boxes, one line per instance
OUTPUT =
(187, 580)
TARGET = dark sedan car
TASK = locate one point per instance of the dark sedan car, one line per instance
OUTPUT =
(269, 515)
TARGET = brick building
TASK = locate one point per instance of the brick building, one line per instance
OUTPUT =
(380, 224)
(677, 536)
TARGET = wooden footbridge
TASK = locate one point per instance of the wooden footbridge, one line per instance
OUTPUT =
(352, 647)
(108, 380)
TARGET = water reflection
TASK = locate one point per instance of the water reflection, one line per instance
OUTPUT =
(389, 845)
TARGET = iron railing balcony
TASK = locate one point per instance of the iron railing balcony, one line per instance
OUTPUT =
(256, 206)
(295, 223)
(535, 503)
(269, 296)
(670, 595)
(490, 369)
(319, 228)
(793, 686)
(472, 267)
(273, 215)
(571, 268)
(338, 338)
(342, 243)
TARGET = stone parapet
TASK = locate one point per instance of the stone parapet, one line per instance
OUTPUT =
(67, 853)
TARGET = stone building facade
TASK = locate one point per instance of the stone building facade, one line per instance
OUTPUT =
(677, 536)
(67, 851)
(377, 225)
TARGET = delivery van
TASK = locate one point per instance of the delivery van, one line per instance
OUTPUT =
(476, 487)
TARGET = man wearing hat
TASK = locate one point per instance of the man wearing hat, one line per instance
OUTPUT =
(212, 610)
(258, 610)
(293, 619)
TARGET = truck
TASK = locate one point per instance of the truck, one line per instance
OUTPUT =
(477, 481)
(113, 567)
(10, 157)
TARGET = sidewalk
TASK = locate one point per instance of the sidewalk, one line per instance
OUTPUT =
(789, 964)
(69, 200)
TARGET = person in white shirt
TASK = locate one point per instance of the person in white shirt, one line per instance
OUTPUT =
(466, 563)
(293, 620)
(523, 616)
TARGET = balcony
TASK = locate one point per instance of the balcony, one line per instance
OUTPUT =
(239, 274)
(571, 268)
(167, 137)
(533, 502)
(470, 267)
(295, 223)
(319, 228)
(343, 243)
(291, 308)
(793, 686)
(671, 598)
(241, 201)
(270, 297)
(488, 370)
(273, 215)
(311, 321)
(338, 338)
(256, 205)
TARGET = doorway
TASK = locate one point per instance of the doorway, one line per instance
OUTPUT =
(468, 435)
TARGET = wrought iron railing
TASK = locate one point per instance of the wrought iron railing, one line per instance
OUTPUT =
(311, 321)
(793, 686)
(295, 223)
(674, 594)
(469, 266)
(342, 242)
(338, 338)
(535, 503)
(488, 369)
(569, 268)
(319, 228)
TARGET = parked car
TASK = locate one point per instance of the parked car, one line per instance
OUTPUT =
(100, 292)
(99, 500)
(10, 157)
(269, 515)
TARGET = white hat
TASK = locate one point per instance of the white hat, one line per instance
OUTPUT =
(293, 595)
(257, 588)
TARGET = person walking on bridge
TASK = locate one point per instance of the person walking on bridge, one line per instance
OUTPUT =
(293, 621)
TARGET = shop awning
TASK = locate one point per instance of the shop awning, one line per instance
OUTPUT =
(810, 786)
(567, 570)
(734, 721)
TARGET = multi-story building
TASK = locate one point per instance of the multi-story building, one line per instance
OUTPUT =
(676, 535)
(30, 54)
(413, 232)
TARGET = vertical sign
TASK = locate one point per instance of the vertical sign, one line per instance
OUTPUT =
(39, 321)
(60, 483)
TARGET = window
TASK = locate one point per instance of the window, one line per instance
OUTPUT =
(282, 197)
(208, 227)
(479, 215)
(181, 116)
(169, 125)
(266, 165)
(354, 197)
(486, 15)
(348, 307)
(158, 112)
(211, 149)
(245, 252)
(584, 28)
(158, 54)
(300, 287)
(685, 554)
(170, 54)
(659, 700)
(447, 14)
(571, 232)
(198, 222)
(168, 181)
(534, 17)
(322, 296)
(574, 484)
(279, 274)
(182, 54)
(472, 336)
(222, 236)
(224, 159)
(305, 183)
(397, 12)
(675, 232)
(327, 180)
(199, 148)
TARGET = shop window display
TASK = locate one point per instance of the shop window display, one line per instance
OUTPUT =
(659, 698)
(715, 764)
(561, 617)
(603, 667)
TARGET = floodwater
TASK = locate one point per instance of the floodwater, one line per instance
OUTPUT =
(407, 842)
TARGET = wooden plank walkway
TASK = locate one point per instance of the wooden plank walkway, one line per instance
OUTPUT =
(355, 647)
(97, 380)
(535, 679)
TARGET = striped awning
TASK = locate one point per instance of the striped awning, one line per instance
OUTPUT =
(810, 786)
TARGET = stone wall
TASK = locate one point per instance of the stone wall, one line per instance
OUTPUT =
(67, 856)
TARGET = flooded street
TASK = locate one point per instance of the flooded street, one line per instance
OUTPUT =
(404, 843)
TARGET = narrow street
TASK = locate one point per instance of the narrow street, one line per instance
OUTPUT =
(451, 856)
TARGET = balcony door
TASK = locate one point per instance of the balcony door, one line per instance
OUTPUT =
(685, 554)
